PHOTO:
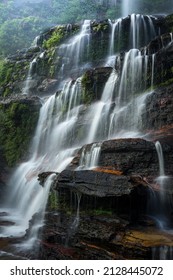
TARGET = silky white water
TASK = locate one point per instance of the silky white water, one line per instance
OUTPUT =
(29, 81)
(51, 150)
(77, 47)
(90, 157)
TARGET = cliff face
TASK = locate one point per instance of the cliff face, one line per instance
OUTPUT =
(106, 213)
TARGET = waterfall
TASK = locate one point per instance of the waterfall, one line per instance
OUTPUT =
(29, 80)
(162, 253)
(141, 30)
(51, 150)
(115, 33)
(160, 203)
(63, 118)
(76, 50)
(153, 69)
(101, 111)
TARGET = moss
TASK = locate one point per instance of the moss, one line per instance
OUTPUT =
(87, 83)
(58, 35)
(166, 83)
(169, 23)
(100, 27)
(11, 74)
(53, 200)
(101, 212)
(17, 125)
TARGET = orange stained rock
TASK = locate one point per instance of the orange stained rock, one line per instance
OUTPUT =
(110, 171)
(149, 238)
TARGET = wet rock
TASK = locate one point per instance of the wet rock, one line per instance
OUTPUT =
(47, 85)
(95, 183)
(159, 109)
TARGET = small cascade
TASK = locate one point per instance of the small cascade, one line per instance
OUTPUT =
(161, 158)
(162, 253)
(142, 30)
(126, 121)
(29, 79)
(36, 42)
(160, 202)
(131, 77)
(76, 50)
(101, 111)
(37, 221)
(115, 36)
(90, 157)
(152, 70)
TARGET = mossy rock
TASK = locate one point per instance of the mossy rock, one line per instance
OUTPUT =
(18, 120)
(93, 82)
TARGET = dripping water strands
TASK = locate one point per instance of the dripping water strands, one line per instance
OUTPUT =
(160, 158)
(90, 157)
(161, 202)
(74, 226)
(162, 253)
(162, 179)
(152, 70)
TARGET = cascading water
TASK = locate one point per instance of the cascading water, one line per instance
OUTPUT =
(140, 24)
(116, 114)
(28, 81)
(90, 158)
(161, 202)
(115, 33)
(52, 149)
(75, 51)
(161, 159)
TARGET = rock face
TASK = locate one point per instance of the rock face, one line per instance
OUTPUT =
(3, 174)
(159, 109)
(103, 213)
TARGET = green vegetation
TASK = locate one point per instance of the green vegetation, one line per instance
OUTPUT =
(87, 87)
(53, 200)
(10, 72)
(17, 124)
(22, 21)
(57, 36)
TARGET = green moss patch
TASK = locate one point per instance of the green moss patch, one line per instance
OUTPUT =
(17, 124)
